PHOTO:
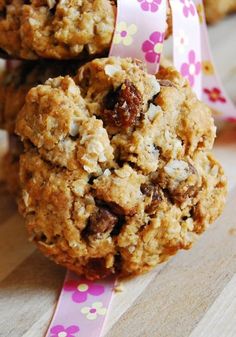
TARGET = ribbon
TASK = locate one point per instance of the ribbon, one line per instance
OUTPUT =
(140, 31)
(213, 92)
(193, 57)
(187, 43)
(82, 307)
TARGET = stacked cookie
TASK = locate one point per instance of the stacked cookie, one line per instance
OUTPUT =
(15, 82)
(113, 165)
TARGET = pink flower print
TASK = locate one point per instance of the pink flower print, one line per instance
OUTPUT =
(192, 68)
(231, 119)
(150, 5)
(188, 8)
(61, 331)
(153, 47)
(214, 95)
(81, 289)
(94, 311)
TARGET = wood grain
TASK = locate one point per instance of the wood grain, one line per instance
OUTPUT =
(181, 293)
(27, 293)
(221, 317)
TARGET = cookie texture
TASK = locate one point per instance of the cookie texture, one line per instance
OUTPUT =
(56, 29)
(117, 175)
(216, 10)
(16, 82)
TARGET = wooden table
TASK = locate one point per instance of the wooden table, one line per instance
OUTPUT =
(193, 295)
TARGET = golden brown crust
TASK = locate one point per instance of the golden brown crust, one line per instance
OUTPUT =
(58, 29)
(101, 197)
(16, 82)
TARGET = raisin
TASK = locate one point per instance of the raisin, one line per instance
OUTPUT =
(153, 192)
(102, 221)
(123, 106)
(178, 196)
(185, 190)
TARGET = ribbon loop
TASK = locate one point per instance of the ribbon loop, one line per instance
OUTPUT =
(214, 94)
(187, 42)
(140, 31)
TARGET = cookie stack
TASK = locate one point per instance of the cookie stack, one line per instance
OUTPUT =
(113, 165)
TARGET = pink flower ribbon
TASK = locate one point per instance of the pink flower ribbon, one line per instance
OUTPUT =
(193, 58)
(82, 307)
(140, 31)
(187, 42)
(214, 94)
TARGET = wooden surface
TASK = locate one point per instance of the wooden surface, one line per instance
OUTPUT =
(193, 295)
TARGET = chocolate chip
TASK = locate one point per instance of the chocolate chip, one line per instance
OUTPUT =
(152, 192)
(123, 106)
(102, 221)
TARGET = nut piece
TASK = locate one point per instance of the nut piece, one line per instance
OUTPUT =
(123, 106)
(153, 193)
(103, 221)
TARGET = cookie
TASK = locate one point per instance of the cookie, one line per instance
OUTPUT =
(15, 83)
(56, 29)
(216, 10)
(117, 173)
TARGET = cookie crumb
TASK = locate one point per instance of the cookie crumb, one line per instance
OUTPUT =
(232, 231)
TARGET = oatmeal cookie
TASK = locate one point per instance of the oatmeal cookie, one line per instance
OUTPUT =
(15, 83)
(117, 175)
(216, 10)
(57, 29)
